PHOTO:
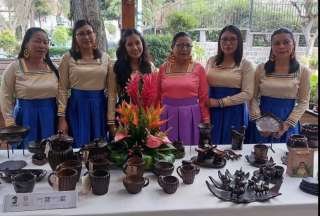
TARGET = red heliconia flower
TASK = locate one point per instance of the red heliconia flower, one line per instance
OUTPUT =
(133, 87)
(149, 90)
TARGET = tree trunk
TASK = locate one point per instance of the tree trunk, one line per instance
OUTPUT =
(90, 10)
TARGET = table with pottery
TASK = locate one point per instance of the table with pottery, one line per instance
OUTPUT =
(187, 199)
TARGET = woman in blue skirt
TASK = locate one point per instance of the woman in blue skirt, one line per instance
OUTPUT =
(230, 78)
(82, 87)
(282, 87)
(29, 88)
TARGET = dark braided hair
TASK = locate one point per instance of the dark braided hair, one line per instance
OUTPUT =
(27, 37)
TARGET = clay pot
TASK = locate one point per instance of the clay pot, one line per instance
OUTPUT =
(134, 184)
(100, 180)
(163, 168)
(187, 173)
(23, 182)
(60, 149)
(73, 164)
(311, 132)
(297, 141)
(169, 184)
(64, 179)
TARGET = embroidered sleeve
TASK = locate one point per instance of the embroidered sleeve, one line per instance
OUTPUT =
(112, 93)
(64, 84)
(254, 107)
(302, 101)
(247, 86)
(7, 92)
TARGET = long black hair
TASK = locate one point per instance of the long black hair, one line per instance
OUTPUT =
(27, 37)
(122, 67)
(74, 51)
(239, 51)
(293, 64)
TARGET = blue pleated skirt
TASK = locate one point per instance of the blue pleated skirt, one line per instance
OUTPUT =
(39, 115)
(86, 116)
(280, 108)
(226, 118)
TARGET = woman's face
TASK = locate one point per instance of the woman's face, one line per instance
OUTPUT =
(282, 46)
(182, 48)
(228, 43)
(134, 46)
(38, 45)
(85, 37)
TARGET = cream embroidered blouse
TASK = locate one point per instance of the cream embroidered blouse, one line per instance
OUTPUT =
(20, 82)
(287, 86)
(84, 75)
(241, 76)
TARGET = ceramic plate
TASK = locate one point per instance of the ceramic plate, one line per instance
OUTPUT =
(268, 123)
(12, 165)
(209, 163)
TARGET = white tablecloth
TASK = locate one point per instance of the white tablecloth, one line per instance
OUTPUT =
(189, 200)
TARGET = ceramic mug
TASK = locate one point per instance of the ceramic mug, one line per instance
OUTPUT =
(168, 183)
(134, 184)
(75, 164)
(100, 180)
(187, 173)
(134, 167)
(163, 168)
(260, 153)
(64, 179)
(23, 182)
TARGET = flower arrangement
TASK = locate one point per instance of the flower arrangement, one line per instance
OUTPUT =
(139, 124)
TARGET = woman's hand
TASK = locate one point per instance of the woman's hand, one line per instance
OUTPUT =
(213, 103)
(283, 129)
(63, 125)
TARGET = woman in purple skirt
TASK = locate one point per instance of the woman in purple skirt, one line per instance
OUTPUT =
(183, 92)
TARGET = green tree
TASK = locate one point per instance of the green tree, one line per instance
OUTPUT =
(159, 47)
(110, 9)
(178, 21)
(61, 36)
(42, 8)
(8, 42)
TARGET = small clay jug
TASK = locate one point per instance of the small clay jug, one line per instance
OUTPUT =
(95, 150)
(311, 132)
(134, 184)
(187, 173)
(64, 179)
(237, 138)
(134, 166)
(169, 184)
(23, 182)
(100, 180)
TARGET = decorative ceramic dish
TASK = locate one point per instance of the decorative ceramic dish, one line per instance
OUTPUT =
(8, 174)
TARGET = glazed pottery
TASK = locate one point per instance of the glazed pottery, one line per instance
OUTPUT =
(100, 180)
(134, 166)
(23, 182)
(169, 184)
(163, 168)
(187, 173)
(260, 153)
(64, 179)
(75, 164)
(134, 184)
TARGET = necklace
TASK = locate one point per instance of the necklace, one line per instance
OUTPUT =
(189, 69)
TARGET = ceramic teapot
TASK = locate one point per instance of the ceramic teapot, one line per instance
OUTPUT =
(60, 149)
(96, 150)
